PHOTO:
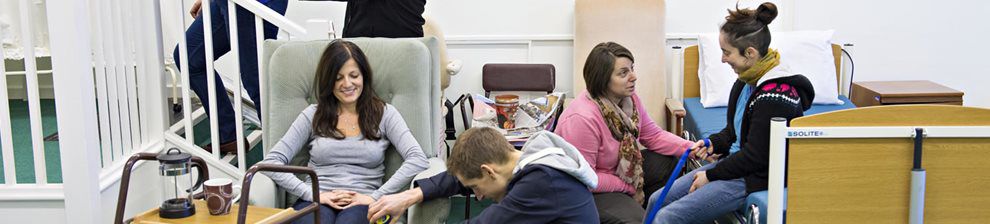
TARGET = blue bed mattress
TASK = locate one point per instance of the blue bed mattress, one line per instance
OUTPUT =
(701, 122)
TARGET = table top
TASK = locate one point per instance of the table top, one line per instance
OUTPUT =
(909, 88)
(255, 215)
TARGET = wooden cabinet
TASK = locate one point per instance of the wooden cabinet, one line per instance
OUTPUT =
(903, 92)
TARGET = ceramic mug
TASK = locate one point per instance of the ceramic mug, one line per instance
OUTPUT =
(220, 195)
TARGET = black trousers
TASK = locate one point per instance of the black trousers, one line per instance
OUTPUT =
(622, 208)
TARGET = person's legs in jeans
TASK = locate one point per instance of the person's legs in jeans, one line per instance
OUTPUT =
(703, 205)
(221, 45)
(657, 169)
(616, 208)
(197, 66)
(327, 214)
(355, 214)
(248, 52)
(678, 189)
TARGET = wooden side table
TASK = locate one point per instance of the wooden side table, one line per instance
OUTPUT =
(254, 215)
(903, 92)
(239, 213)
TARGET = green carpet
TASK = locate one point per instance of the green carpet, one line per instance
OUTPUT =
(23, 152)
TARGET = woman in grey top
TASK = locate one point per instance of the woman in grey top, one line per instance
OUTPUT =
(348, 129)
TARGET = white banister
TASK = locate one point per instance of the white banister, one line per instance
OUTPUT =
(120, 49)
(238, 106)
(184, 72)
(211, 81)
(156, 112)
(108, 31)
(271, 16)
(6, 138)
(76, 110)
(130, 50)
(141, 52)
(259, 38)
(99, 58)
(34, 103)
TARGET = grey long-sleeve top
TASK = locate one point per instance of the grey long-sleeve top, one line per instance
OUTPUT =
(353, 163)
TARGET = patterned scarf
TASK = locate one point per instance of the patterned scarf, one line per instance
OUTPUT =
(753, 74)
(623, 122)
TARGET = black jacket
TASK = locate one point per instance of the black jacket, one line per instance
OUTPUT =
(384, 18)
(786, 97)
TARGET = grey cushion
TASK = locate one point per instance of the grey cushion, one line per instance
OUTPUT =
(406, 75)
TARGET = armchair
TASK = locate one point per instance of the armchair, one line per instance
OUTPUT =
(406, 76)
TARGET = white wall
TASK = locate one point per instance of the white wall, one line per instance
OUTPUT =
(895, 40)
(934, 40)
(480, 32)
(33, 211)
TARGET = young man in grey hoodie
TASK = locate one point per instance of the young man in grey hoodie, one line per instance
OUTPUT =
(548, 181)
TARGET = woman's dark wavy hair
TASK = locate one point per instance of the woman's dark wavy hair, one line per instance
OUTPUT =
(748, 28)
(369, 107)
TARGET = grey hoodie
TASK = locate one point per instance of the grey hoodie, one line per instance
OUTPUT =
(548, 149)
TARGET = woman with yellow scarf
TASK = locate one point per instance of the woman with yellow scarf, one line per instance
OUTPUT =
(765, 89)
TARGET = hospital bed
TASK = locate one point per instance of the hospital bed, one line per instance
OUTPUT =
(861, 166)
(689, 119)
(693, 121)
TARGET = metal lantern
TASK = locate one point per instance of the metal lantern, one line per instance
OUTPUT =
(178, 184)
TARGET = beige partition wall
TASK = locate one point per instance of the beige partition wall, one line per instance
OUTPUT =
(635, 24)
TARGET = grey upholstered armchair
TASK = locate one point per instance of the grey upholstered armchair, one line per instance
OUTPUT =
(406, 75)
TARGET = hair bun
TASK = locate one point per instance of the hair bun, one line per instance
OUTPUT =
(766, 13)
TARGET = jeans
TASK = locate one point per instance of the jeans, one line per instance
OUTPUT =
(704, 205)
(328, 215)
(221, 45)
(657, 168)
(621, 208)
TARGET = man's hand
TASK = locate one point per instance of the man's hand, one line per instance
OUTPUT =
(394, 205)
(700, 179)
(195, 8)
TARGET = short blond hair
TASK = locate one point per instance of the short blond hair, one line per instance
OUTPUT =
(477, 146)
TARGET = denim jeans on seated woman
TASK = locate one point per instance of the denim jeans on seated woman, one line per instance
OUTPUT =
(704, 205)
(328, 215)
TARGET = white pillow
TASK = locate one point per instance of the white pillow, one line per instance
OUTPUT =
(808, 53)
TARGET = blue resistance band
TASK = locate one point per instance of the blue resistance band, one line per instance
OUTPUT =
(670, 181)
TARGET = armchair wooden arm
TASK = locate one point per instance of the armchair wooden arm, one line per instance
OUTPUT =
(675, 115)
(246, 190)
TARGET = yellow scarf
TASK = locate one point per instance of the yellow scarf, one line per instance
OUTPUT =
(753, 74)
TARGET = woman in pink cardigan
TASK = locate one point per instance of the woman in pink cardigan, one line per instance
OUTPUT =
(607, 123)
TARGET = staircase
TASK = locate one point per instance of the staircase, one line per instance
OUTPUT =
(110, 88)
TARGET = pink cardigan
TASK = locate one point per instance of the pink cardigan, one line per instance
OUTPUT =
(583, 125)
